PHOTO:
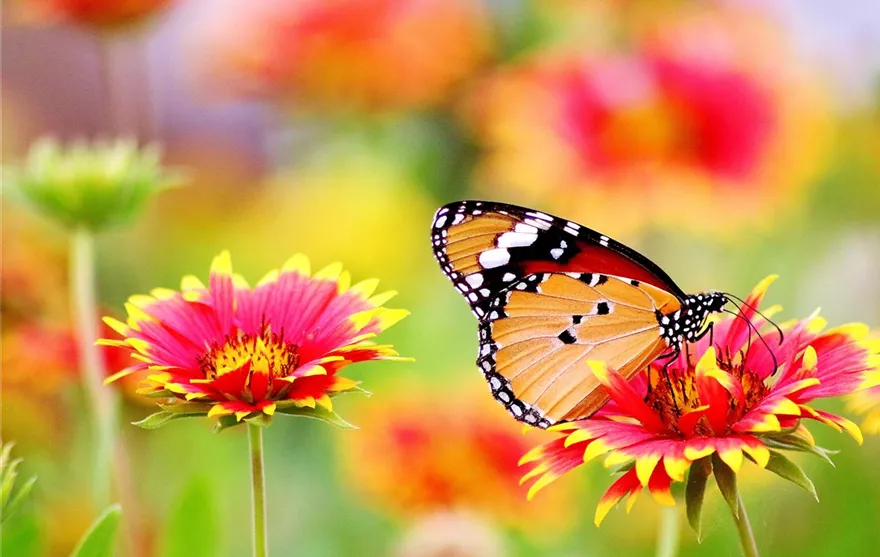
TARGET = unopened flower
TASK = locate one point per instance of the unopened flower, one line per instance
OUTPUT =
(11, 495)
(241, 353)
(740, 397)
(91, 185)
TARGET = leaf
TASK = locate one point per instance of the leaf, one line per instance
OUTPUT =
(192, 529)
(225, 422)
(22, 536)
(100, 539)
(157, 420)
(726, 480)
(784, 468)
(10, 507)
(317, 413)
(695, 493)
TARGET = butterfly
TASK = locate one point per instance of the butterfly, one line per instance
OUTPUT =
(550, 295)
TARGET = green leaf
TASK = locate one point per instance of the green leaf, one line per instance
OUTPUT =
(726, 480)
(317, 413)
(195, 408)
(10, 507)
(100, 539)
(695, 493)
(784, 468)
(22, 536)
(157, 420)
(192, 529)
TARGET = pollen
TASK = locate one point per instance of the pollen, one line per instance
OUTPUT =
(266, 353)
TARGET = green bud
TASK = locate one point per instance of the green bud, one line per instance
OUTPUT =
(91, 185)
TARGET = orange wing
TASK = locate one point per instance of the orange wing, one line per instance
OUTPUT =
(539, 334)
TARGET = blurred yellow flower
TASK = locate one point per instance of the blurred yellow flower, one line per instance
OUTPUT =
(441, 450)
(685, 129)
(360, 54)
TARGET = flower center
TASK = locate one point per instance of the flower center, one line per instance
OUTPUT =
(265, 352)
(674, 393)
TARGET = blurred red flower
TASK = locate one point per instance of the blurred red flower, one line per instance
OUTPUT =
(663, 132)
(102, 14)
(360, 54)
(445, 451)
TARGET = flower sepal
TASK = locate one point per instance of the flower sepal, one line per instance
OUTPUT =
(780, 465)
(171, 412)
(318, 413)
(799, 442)
(725, 479)
(695, 493)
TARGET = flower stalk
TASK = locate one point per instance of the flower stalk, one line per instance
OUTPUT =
(258, 489)
(103, 401)
(744, 528)
(667, 532)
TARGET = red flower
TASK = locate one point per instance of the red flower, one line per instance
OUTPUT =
(238, 352)
(104, 14)
(466, 461)
(738, 397)
(363, 54)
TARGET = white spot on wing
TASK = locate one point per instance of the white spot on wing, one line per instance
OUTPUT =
(492, 258)
(475, 280)
(458, 218)
(556, 253)
(508, 277)
(525, 228)
(516, 239)
(440, 221)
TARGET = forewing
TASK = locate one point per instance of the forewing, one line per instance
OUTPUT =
(484, 247)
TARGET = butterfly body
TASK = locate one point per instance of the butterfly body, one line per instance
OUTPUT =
(549, 295)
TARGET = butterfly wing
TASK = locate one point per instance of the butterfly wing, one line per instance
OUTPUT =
(484, 247)
(539, 334)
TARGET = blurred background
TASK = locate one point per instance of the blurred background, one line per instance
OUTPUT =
(726, 139)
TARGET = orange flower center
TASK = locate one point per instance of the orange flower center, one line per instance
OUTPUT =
(265, 353)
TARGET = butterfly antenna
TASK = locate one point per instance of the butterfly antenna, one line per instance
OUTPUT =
(767, 319)
(753, 327)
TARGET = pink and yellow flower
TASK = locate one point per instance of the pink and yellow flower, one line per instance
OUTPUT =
(461, 457)
(361, 54)
(243, 353)
(685, 122)
(738, 398)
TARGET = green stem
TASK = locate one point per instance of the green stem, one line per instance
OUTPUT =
(667, 532)
(744, 528)
(101, 399)
(258, 486)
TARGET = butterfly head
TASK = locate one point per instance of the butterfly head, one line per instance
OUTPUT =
(686, 324)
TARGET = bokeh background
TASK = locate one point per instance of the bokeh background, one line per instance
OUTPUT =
(726, 139)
